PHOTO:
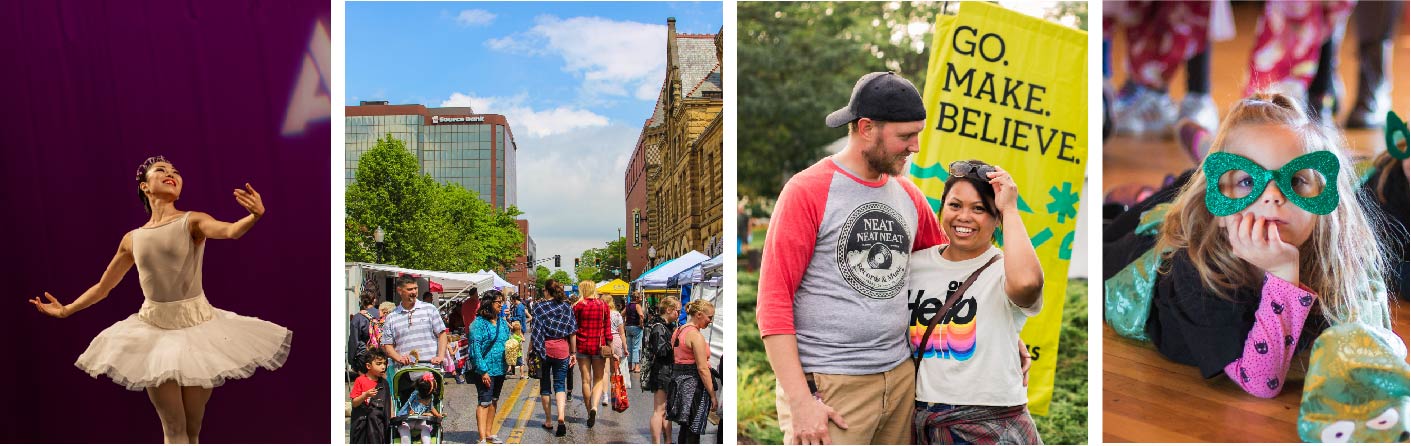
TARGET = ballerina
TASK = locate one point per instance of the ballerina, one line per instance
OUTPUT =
(177, 346)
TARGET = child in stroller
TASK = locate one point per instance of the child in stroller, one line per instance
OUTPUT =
(419, 409)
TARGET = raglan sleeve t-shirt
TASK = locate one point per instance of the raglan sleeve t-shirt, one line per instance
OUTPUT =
(835, 264)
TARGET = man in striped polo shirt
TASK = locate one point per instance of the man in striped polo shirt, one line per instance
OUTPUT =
(414, 332)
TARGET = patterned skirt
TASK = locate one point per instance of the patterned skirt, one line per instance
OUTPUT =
(947, 424)
(688, 403)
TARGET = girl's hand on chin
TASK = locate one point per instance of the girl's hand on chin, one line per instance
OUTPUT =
(1257, 241)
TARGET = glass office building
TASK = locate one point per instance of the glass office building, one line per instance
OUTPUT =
(452, 144)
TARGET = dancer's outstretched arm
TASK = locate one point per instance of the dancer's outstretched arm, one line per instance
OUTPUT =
(117, 268)
(203, 226)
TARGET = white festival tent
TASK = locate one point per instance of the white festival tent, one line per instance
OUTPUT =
(658, 278)
(461, 282)
(500, 283)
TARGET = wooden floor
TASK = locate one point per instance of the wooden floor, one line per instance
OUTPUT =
(1147, 398)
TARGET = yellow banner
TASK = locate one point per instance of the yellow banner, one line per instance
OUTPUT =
(1011, 90)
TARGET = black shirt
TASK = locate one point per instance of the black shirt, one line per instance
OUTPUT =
(1191, 325)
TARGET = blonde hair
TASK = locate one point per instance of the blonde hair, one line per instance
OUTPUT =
(668, 304)
(386, 307)
(699, 306)
(514, 327)
(587, 289)
(1345, 234)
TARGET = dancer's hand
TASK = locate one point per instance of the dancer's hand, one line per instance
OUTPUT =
(250, 200)
(1257, 241)
(51, 308)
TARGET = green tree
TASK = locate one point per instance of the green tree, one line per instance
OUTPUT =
(606, 263)
(562, 277)
(541, 275)
(467, 234)
(784, 96)
(427, 225)
(390, 192)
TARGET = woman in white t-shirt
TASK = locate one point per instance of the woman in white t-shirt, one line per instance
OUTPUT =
(970, 385)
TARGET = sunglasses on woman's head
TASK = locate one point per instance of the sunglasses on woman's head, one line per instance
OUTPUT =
(1233, 182)
(972, 170)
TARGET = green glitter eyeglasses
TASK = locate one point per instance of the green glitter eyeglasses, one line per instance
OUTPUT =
(1233, 182)
(1397, 133)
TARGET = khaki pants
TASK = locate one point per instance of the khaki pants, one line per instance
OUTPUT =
(877, 407)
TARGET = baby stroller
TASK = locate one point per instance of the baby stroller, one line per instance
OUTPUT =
(403, 384)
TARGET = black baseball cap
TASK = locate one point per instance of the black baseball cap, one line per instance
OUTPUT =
(881, 96)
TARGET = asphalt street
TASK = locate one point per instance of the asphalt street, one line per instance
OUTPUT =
(520, 417)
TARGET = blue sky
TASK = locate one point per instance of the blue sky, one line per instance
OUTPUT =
(576, 81)
(425, 52)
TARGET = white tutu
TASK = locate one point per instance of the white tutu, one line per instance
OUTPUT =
(187, 341)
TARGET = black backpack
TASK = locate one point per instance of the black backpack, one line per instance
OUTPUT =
(658, 342)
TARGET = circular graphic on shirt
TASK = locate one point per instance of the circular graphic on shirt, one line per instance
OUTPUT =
(873, 249)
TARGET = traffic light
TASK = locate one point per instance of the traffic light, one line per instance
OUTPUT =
(556, 260)
(575, 263)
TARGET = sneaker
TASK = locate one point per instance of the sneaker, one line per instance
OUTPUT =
(592, 417)
(1193, 138)
(560, 431)
(1143, 112)
(494, 440)
(1200, 108)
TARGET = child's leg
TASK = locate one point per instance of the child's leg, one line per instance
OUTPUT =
(425, 433)
(406, 432)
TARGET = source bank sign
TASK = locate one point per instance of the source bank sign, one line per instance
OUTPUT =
(455, 119)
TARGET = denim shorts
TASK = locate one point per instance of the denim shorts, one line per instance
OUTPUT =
(487, 395)
(553, 376)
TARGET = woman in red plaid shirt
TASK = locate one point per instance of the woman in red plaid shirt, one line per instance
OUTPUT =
(594, 345)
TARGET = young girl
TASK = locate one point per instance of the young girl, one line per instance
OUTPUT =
(421, 402)
(1264, 246)
(512, 349)
(178, 347)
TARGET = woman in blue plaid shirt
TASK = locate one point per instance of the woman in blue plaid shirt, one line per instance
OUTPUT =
(553, 341)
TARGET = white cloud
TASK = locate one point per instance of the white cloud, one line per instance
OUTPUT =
(475, 17)
(571, 188)
(613, 58)
(648, 91)
(527, 121)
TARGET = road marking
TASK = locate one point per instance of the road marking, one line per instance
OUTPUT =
(517, 434)
(505, 411)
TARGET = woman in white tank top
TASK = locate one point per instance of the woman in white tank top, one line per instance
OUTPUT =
(177, 346)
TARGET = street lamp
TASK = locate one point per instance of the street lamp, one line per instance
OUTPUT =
(377, 238)
(652, 254)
